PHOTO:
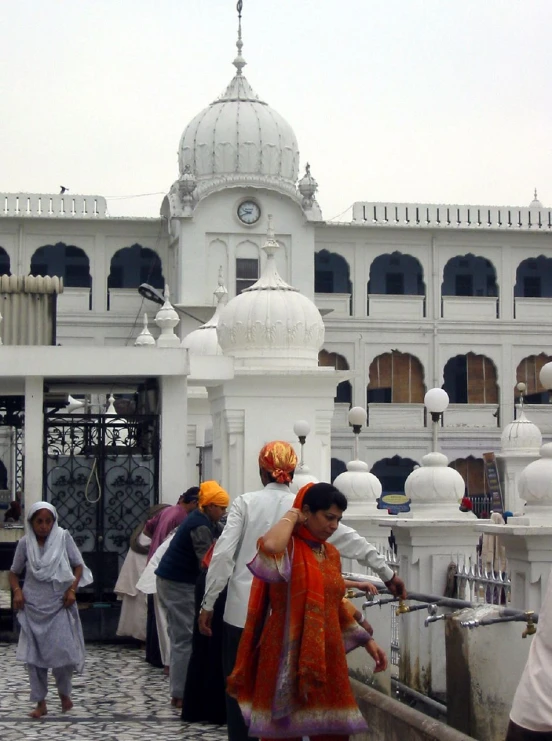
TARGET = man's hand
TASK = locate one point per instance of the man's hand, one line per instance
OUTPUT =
(397, 587)
(69, 597)
(18, 600)
(204, 622)
(378, 654)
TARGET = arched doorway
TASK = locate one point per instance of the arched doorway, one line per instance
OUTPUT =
(393, 472)
(132, 266)
(471, 379)
(396, 377)
(396, 275)
(65, 261)
(528, 373)
(468, 275)
(344, 391)
(331, 273)
(534, 278)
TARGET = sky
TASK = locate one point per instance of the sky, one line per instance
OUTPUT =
(426, 101)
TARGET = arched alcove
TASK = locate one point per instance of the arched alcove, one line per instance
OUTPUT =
(344, 391)
(471, 379)
(132, 266)
(469, 275)
(4, 262)
(337, 468)
(396, 377)
(66, 261)
(528, 372)
(472, 471)
(534, 278)
(396, 274)
(393, 472)
(247, 265)
(331, 273)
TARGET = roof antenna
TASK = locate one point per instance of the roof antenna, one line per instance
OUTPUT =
(239, 62)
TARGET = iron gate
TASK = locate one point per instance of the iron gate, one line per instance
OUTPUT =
(101, 472)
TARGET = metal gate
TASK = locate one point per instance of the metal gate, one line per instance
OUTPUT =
(101, 472)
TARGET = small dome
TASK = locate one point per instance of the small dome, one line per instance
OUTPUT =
(535, 203)
(302, 477)
(271, 324)
(435, 487)
(521, 436)
(359, 485)
(204, 340)
(535, 482)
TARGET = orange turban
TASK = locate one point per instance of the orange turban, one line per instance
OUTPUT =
(212, 493)
(279, 459)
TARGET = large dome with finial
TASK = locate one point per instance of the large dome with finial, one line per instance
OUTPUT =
(271, 324)
(239, 139)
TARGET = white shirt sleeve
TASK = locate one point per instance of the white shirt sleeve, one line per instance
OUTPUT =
(352, 545)
(223, 560)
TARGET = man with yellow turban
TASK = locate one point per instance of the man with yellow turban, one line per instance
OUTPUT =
(177, 574)
(251, 516)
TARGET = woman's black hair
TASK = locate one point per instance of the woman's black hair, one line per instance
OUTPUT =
(322, 496)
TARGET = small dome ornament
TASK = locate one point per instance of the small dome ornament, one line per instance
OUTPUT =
(271, 324)
(535, 203)
(204, 340)
(361, 488)
(167, 319)
(435, 489)
(521, 437)
(307, 187)
(186, 187)
(145, 337)
(535, 487)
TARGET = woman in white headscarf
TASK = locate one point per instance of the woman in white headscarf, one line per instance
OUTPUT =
(51, 632)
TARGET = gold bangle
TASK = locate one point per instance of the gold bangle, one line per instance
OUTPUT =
(71, 590)
(288, 520)
(17, 589)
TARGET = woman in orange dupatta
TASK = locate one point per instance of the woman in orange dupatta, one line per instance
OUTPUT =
(291, 678)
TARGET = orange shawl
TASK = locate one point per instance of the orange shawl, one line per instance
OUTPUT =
(303, 652)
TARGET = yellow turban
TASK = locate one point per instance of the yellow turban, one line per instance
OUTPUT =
(210, 492)
(279, 459)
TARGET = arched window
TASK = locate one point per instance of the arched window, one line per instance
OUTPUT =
(344, 391)
(396, 377)
(337, 467)
(469, 275)
(4, 262)
(528, 373)
(331, 273)
(396, 274)
(534, 278)
(247, 265)
(393, 472)
(66, 261)
(132, 266)
(471, 379)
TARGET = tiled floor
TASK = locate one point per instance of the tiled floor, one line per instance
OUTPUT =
(119, 698)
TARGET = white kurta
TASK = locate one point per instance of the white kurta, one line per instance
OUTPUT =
(134, 602)
(532, 706)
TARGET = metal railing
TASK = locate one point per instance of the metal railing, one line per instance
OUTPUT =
(479, 585)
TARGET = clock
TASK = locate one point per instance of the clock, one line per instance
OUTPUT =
(249, 212)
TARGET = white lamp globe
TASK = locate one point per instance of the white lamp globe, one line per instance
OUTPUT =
(436, 401)
(301, 428)
(546, 376)
(357, 417)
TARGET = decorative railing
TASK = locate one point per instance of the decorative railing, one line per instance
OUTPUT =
(479, 585)
(59, 206)
(426, 215)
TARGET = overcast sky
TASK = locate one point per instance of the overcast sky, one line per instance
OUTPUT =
(442, 101)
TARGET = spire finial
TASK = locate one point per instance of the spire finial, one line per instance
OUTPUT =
(536, 197)
(271, 245)
(221, 294)
(239, 62)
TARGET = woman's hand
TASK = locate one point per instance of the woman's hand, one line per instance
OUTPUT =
(18, 600)
(362, 586)
(378, 654)
(69, 598)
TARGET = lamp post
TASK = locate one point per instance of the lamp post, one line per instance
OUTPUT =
(436, 401)
(545, 376)
(301, 428)
(357, 419)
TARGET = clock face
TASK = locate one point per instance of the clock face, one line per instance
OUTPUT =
(249, 212)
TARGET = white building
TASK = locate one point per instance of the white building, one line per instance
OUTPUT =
(413, 295)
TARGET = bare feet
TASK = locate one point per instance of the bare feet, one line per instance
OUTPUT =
(40, 710)
(166, 670)
(176, 702)
(66, 703)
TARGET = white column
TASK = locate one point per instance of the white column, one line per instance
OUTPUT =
(34, 432)
(174, 476)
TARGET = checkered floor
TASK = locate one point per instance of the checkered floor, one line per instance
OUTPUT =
(119, 698)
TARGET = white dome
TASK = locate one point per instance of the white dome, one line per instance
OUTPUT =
(521, 436)
(271, 324)
(535, 483)
(435, 489)
(204, 340)
(361, 487)
(240, 139)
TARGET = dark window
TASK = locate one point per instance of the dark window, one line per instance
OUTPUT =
(394, 284)
(380, 396)
(134, 265)
(456, 379)
(344, 393)
(66, 261)
(323, 281)
(532, 286)
(247, 273)
(464, 285)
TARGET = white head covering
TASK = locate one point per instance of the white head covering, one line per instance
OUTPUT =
(52, 564)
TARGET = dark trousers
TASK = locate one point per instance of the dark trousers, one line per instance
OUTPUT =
(517, 733)
(237, 730)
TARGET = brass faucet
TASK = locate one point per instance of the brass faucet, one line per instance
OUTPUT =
(531, 628)
(402, 608)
